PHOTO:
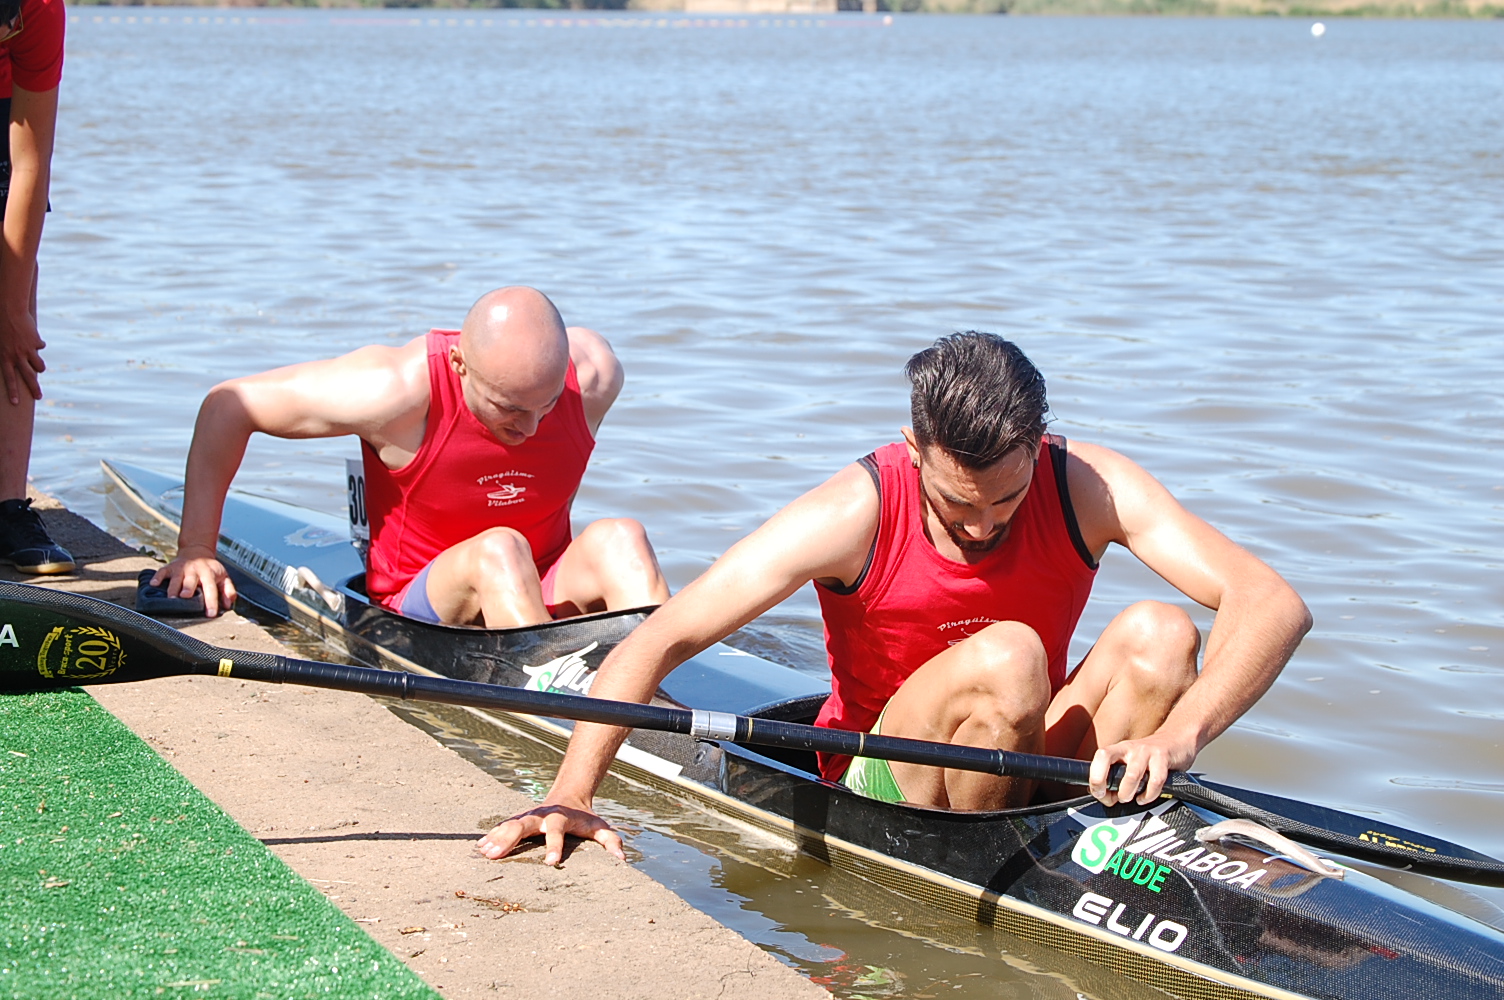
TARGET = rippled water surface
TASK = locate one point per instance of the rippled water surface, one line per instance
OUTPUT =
(1266, 266)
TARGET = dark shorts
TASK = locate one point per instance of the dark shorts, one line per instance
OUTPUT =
(5, 149)
(5, 157)
(413, 601)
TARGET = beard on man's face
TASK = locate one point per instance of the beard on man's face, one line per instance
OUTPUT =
(963, 541)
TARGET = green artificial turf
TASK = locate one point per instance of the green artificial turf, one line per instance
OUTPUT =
(121, 879)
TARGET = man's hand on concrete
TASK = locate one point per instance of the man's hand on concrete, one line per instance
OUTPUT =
(1149, 762)
(20, 355)
(194, 569)
(553, 821)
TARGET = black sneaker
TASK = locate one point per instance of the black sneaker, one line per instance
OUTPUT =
(25, 544)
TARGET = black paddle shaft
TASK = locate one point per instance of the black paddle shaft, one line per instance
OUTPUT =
(768, 732)
(51, 640)
(739, 729)
(66, 639)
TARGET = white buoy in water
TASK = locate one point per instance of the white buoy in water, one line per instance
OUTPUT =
(1318, 29)
(888, 20)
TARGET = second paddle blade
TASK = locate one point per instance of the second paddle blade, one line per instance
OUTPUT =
(50, 639)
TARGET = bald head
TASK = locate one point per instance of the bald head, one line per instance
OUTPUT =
(512, 359)
(514, 337)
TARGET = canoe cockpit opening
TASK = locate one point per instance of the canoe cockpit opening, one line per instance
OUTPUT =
(802, 710)
(355, 587)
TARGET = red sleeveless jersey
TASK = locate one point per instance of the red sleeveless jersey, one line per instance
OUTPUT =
(463, 481)
(911, 603)
(33, 56)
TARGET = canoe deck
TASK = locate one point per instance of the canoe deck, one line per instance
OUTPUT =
(1128, 888)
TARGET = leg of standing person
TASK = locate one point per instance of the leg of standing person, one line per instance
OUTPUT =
(28, 111)
(24, 541)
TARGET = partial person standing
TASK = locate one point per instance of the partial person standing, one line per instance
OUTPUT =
(31, 66)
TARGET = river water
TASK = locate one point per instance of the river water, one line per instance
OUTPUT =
(1265, 265)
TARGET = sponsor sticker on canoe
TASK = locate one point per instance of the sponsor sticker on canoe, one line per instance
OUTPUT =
(568, 673)
(311, 536)
(1143, 849)
(1104, 911)
(1101, 840)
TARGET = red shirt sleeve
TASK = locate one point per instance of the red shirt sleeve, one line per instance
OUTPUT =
(36, 54)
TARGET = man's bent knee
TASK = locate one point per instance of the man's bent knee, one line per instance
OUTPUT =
(1162, 643)
(1152, 626)
(616, 535)
(1007, 658)
(501, 552)
(1003, 644)
(619, 548)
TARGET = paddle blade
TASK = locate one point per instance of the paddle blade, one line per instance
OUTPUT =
(1355, 836)
(50, 639)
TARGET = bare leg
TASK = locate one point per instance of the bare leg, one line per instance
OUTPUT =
(610, 566)
(16, 423)
(990, 690)
(1125, 687)
(490, 578)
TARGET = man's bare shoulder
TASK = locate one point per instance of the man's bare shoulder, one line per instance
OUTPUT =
(362, 392)
(390, 383)
(849, 493)
(1098, 459)
(388, 380)
(404, 363)
(598, 370)
(1104, 486)
(595, 363)
(837, 522)
(401, 359)
(586, 344)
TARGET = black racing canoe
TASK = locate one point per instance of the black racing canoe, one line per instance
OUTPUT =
(1131, 889)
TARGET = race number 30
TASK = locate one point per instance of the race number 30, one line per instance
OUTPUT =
(355, 486)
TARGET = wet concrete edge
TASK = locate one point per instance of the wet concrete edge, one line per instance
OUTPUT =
(381, 819)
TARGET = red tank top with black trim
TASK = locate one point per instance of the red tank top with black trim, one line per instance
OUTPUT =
(463, 481)
(912, 603)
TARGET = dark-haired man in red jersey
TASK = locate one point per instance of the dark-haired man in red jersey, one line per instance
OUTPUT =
(31, 67)
(952, 568)
(475, 442)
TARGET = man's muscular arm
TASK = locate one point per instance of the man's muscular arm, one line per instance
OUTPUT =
(1259, 617)
(378, 393)
(32, 125)
(823, 535)
(599, 372)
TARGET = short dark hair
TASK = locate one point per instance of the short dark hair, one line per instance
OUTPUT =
(977, 397)
(9, 10)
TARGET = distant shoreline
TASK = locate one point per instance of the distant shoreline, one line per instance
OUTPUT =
(1423, 9)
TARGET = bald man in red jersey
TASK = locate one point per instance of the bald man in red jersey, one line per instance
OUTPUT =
(474, 442)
